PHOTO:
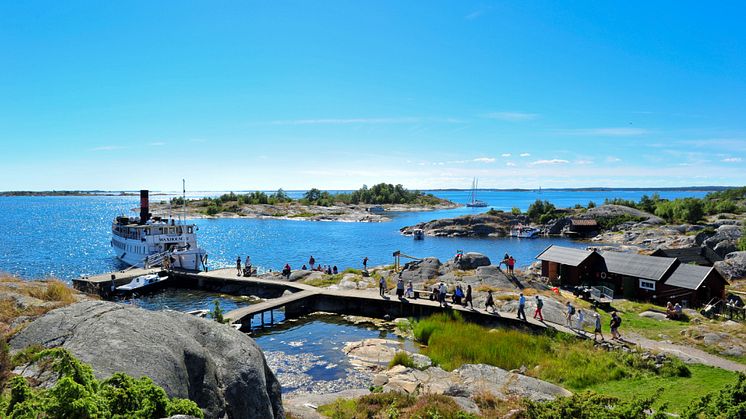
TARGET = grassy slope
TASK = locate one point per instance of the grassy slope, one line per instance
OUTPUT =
(573, 364)
(677, 392)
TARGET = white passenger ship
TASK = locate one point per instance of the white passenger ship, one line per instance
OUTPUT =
(147, 241)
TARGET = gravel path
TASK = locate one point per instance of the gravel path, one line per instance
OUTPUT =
(686, 353)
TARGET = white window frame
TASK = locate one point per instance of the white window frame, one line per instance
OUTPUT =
(647, 285)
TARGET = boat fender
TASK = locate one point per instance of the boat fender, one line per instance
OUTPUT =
(603, 275)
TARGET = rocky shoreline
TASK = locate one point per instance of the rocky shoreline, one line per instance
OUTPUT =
(296, 211)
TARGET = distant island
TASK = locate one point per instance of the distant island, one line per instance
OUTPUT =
(363, 205)
(67, 193)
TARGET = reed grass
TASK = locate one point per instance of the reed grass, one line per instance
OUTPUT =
(559, 359)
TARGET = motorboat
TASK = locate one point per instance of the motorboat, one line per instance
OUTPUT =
(142, 282)
(418, 234)
(524, 232)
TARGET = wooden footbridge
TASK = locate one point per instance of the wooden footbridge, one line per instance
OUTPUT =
(299, 299)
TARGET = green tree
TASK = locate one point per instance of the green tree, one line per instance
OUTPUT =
(217, 312)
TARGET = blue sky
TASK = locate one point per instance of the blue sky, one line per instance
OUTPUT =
(262, 95)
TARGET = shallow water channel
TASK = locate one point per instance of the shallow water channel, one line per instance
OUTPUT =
(305, 354)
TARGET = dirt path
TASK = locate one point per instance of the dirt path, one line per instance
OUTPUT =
(687, 354)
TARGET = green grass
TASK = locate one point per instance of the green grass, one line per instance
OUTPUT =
(402, 358)
(677, 392)
(395, 405)
(324, 281)
(561, 359)
(304, 215)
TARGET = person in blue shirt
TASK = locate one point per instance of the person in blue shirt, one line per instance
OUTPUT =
(522, 307)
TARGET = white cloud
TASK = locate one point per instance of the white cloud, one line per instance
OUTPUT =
(510, 164)
(371, 121)
(612, 159)
(505, 155)
(511, 116)
(484, 160)
(583, 162)
(552, 161)
(107, 148)
(605, 132)
(732, 160)
(525, 154)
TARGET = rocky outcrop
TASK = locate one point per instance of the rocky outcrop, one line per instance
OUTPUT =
(467, 381)
(733, 267)
(609, 210)
(421, 270)
(481, 225)
(469, 261)
(377, 353)
(724, 240)
(219, 368)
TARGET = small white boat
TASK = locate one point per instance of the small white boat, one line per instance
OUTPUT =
(418, 234)
(524, 232)
(142, 282)
(199, 313)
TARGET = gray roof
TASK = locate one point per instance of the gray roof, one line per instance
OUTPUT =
(636, 265)
(564, 255)
(688, 276)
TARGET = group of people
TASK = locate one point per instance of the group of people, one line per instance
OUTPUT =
(509, 262)
(247, 267)
(614, 323)
(459, 296)
(674, 311)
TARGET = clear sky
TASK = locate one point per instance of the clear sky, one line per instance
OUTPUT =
(260, 95)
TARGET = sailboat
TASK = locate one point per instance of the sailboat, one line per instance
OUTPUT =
(474, 201)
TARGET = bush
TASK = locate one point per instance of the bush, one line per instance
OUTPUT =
(402, 358)
(515, 211)
(727, 403)
(590, 405)
(217, 312)
(742, 240)
(78, 394)
(540, 208)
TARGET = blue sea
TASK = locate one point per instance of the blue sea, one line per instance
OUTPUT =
(66, 237)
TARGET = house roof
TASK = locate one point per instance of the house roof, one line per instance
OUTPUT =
(689, 276)
(696, 254)
(636, 265)
(564, 255)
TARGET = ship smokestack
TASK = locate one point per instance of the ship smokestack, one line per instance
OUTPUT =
(144, 206)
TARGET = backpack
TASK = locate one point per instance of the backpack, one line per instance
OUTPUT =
(539, 303)
(572, 310)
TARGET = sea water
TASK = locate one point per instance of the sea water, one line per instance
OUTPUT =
(65, 237)
(68, 236)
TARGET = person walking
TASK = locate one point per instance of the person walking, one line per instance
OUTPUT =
(569, 313)
(522, 307)
(597, 328)
(468, 298)
(365, 263)
(238, 266)
(581, 319)
(409, 293)
(490, 302)
(400, 288)
(311, 262)
(539, 306)
(382, 286)
(615, 322)
(442, 290)
(511, 265)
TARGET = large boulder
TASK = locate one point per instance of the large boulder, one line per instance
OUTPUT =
(421, 270)
(724, 240)
(219, 368)
(472, 260)
(610, 210)
(733, 267)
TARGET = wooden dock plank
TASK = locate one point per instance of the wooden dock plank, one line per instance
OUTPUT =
(275, 303)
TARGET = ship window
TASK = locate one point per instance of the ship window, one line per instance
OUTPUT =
(189, 230)
(160, 230)
(171, 230)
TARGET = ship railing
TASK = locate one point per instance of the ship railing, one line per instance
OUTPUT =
(156, 259)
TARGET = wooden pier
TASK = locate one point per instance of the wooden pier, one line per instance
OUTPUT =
(299, 299)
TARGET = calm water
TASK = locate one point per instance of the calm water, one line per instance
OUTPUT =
(69, 236)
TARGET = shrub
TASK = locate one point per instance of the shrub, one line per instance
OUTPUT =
(742, 240)
(540, 208)
(727, 403)
(590, 405)
(515, 211)
(78, 394)
(402, 358)
(217, 312)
